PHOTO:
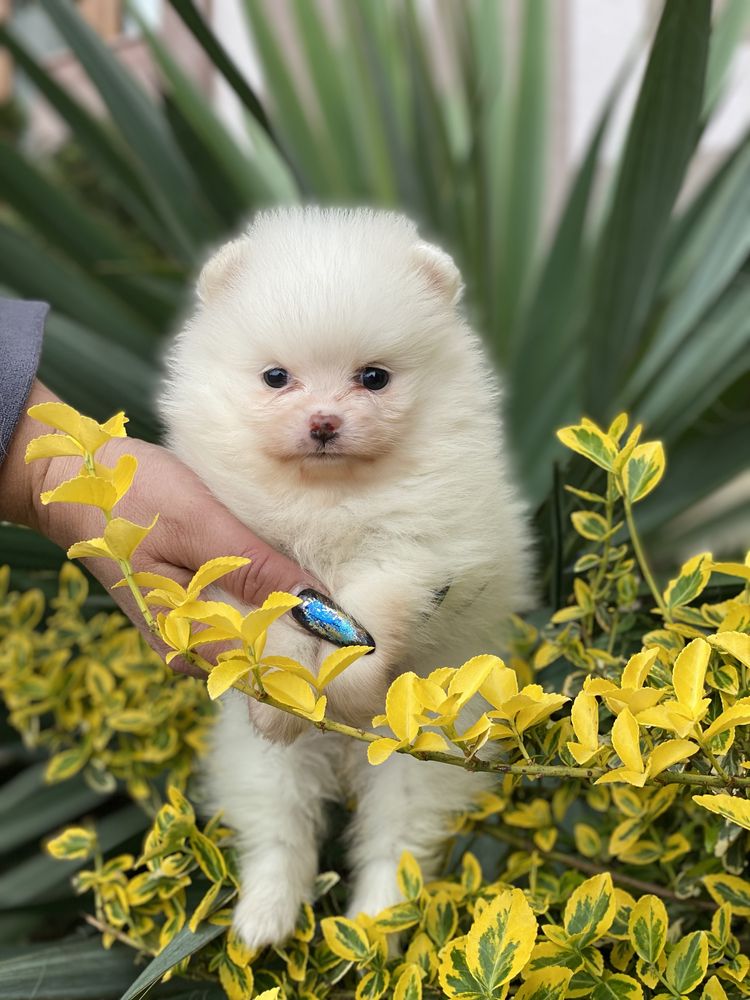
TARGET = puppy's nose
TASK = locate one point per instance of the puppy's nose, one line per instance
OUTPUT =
(324, 426)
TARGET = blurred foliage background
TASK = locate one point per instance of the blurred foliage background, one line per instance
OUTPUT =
(637, 296)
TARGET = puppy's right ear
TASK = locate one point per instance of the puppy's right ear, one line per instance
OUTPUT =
(222, 269)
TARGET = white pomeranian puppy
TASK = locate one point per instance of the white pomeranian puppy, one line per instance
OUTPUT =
(329, 392)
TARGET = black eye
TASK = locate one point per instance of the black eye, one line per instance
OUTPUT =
(374, 378)
(277, 378)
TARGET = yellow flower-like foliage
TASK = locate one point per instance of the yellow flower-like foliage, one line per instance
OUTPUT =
(621, 797)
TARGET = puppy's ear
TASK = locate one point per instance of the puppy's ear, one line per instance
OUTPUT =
(222, 269)
(439, 269)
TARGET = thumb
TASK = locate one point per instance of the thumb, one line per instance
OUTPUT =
(219, 533)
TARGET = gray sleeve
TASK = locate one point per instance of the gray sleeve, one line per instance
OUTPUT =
(21, 329)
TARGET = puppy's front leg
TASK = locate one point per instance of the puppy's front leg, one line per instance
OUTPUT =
(393, 608)
(274, 797)
(403, 805)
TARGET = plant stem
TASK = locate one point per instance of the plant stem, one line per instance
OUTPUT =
(104, 928)
(497, 767)
(589, 867)
(715, 764)
(643, 562)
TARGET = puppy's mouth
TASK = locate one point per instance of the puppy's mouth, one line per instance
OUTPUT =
(326, 453)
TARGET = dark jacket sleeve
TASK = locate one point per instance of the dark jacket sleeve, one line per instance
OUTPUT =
(21, 329)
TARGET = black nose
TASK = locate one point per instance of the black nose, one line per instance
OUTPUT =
(323, 432)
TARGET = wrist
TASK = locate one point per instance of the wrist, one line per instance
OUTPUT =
(21, 483)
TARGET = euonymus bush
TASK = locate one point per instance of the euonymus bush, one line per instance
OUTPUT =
(613, 846)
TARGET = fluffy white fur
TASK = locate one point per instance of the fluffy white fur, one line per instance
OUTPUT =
(412, 495)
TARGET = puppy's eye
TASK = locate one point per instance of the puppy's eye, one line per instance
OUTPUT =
(374, 378)
(276, 378)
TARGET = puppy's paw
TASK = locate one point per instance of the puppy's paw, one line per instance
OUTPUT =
(266, 915)
(372, 900)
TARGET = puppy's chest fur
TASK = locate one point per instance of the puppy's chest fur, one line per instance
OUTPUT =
(324, 531)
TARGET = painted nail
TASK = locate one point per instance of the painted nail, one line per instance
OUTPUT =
(324, 619)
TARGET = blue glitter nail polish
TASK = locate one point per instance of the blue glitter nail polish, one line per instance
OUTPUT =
(321, 617)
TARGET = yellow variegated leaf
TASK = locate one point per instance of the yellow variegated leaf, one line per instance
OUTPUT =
(539, 707)
(480, 727)
(212, 571)
(75, 843)
(121, 475)
(431, 742)
(122, 537)
(441, 918)
(585, 717)
(499, 685)
(373, 984)
(456, 979)
(290, 666)
(737, 715)
(471, 873)
(689, 675)
(403, 706)
(713, 990)
(345, 939)
(618, 987)
(668, 753)
(618, 426)
(94, 548)
(90, 490)
(589, 524)
(319, 711)
(380, 750)
(52, 446)
(742, 570)
(86, 431)
(208, 856)
(638, 668)
(470, 677)
(729, 889)
(290, 690)
(337, 661)
(732, 807)
(205, 906)
(224, 674)
(588, 440)
(590, 910)
(67, 763)
(409, 984)
(737, 644)
(625, 740)
(274, 606)
(688, 963)
(690, 581)
(236, 982)
(409, 876)
(154, 580)
(500, 940)
(545, 984)
(587, 840)
(272, 994)
(175, 631)
(397, 918)
(643, 470)
(648, 927)
(216, 613)
(115, 426)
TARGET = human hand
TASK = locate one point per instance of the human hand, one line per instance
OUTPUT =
(193, 525)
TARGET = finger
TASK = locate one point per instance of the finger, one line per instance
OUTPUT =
(216, 532)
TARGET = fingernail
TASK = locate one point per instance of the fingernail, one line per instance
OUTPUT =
(323, 618)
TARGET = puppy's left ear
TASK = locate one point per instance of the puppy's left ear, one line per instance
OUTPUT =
(440, 270)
